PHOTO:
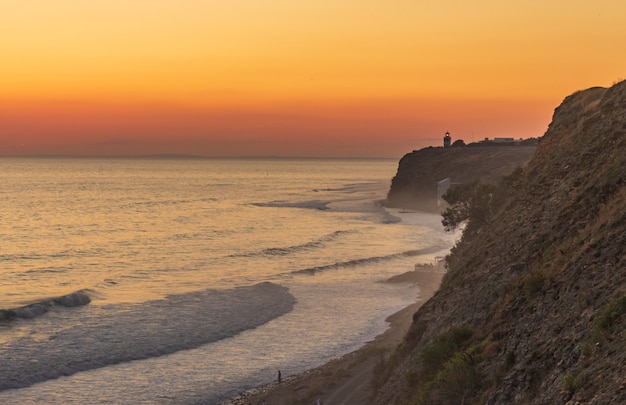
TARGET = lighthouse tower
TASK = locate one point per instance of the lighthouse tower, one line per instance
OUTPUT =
(446, 140)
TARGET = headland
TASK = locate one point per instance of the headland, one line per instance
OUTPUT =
(532, 308)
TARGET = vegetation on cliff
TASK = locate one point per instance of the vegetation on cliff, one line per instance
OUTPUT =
(533, 306)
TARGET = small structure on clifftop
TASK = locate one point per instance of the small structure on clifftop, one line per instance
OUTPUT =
(446, 140)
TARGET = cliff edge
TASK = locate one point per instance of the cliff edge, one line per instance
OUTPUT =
(415, 184)
(532, 309)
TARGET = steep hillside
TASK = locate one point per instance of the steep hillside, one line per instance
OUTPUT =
(533, 306)
(415, 183)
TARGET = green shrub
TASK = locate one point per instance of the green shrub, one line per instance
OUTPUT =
(444, 372)
(476, 203)
(434, 356)
(572, 381)
(456, 382)
(611, 312)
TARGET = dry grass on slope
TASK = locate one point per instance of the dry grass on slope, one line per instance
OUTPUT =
(540, 284)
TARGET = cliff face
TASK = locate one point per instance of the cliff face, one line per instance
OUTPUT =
(415, 183)
(533, 306)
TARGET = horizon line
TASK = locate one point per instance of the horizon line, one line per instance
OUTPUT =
(181, 156)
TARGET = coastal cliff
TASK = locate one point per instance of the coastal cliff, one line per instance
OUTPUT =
(532, 308)
(415, 184)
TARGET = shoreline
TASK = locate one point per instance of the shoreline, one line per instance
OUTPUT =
(347, 379)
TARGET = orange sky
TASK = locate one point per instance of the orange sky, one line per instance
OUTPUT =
(297, 78)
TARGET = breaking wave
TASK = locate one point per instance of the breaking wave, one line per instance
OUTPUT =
(133, 332)
(368, 260)
(312, 204)
(171, 202)
(285, 251)
(75, 299)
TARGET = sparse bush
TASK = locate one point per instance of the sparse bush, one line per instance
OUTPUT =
(572, 381)
(443, 348)
(529, 141)
(514, 177)
(456, 382)
(435, 367)
(611, 313)
(533, 282)
(510, 359)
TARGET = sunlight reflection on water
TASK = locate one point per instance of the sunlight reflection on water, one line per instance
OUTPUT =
(132, 231)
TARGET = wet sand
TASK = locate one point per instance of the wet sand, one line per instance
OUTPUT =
(347, 380)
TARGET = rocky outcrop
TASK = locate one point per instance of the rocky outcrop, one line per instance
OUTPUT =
(533, 306)
(415, 183)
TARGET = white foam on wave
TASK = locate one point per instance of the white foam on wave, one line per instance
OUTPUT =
(311, 204)
(287, 250)
(119, 333)
(75, 299)
(369, 260)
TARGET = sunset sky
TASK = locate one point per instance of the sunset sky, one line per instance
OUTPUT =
(293, 78)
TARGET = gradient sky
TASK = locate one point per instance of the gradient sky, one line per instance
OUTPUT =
(297, 78)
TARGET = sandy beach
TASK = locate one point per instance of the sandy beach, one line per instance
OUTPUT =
(347, 380)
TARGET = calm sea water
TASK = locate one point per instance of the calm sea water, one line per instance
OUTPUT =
(188, 281)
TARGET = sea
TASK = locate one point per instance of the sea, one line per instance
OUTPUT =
(188, 281)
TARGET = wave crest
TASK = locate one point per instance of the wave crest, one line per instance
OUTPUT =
(75, 299)
(132, 332)
(312, 204)
(368, 260)
(284, 251)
